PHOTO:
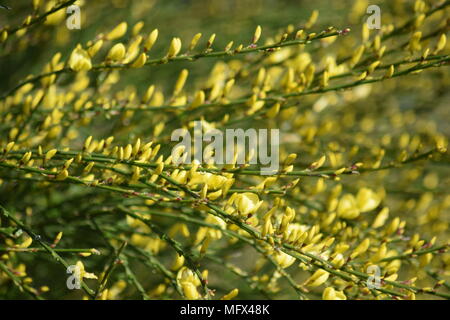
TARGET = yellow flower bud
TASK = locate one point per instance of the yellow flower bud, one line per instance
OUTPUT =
(318, 278)
(228, 86)
(361, 248)
(247, 203)
(393, 227)
(190, 291)
(290, 159)
(58, 238)
(137, 28)
(140, 61)
(414, 43)
(317, 164)
(257, 34)
(116, 53)
(338, 261)
(62, 175)
(331, 294)
(178, 263)
(211, 41)
(117, 32)
(87, 143)
(50, 154)
(26, 157)
(3, 36)
(194, 41)
(92, 50)
(273, 111)
(159, 168)
(9, 147)
(357, 55)
(325, 79)
(380, 254)
(284, 260)
(151, 39)
(80, 60)
(175, 47)
(425, 259)
(390, 72)
(418, 22)
(347, 207)
(381, 218)
(148, 94)
(362, 76)
(312, 19)
(28, 241)
(367, 200)
(88, 168)
(373, 66)
(127, 152)
(229, 46)
(180, 82)
(299, 34)
(232, 294)
(441, 43)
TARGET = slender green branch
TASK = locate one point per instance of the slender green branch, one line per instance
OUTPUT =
(111, 267)
(417, 253)
(40, 18)
(189, 256)
(18, 282)
(186, 57)
(47, 248)
(33, 250)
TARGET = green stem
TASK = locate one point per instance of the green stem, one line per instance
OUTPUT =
(47, 248)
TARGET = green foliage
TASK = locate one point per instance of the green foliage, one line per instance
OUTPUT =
(86, 171)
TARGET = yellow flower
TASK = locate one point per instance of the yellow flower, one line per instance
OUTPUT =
(62, 175)
(232, 294)
(28, 241)
(257, 34)
(151, 39)
(318, 278)
(283, 259)
(116, 53)
(441, 43)
(50, 154)
(331, 294)
(247, 203)
(178, 263)
(82, 272)
(80, 60)
(214, 181)
(190, 291)
(367, 200)
(180, 81)
(199, 99)
(194, 41)
(381, 218)
(175, 47)
(347, 208)
(140, 61)
(117, 32)
(361, 248)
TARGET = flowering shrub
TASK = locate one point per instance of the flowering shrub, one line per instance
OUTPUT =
(92, 200)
